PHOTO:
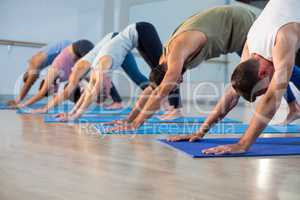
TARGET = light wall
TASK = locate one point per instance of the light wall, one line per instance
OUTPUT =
(46, 22)
(49, 21)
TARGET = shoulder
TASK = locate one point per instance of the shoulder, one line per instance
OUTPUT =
(288, 35)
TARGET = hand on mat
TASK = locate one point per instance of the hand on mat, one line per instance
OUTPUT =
(38, 111)
(21, 106)
(127, 127)
(117, 122)
(190, 138)
(63, 117)
(226, 149)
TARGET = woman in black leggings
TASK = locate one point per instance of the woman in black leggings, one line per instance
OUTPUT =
(151, 49)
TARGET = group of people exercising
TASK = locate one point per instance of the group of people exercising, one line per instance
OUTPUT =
(268, 46)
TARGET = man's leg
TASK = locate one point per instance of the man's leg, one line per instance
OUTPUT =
(131, 69)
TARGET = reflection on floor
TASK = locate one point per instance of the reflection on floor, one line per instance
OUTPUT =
(55, 162)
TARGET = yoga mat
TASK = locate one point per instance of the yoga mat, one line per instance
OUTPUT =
(178, 129)
(262, 147)
(87, 118)
(4, 106)
(58, 109)
(98, 118)
(93, 110)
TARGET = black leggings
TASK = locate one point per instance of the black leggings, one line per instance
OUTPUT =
(150, 48)
(115, 94)
(297, 59)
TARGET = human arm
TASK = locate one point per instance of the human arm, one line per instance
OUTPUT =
(223, 107)
(30, 76)
(95, 86)
(245, 54)
(138, 106)
(152, 103)
(283, 60)
(48, 81)
(78, 72)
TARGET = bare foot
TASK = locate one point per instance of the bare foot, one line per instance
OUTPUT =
(171, 114)
(12, 104)
(292, 116)
(39, 111)
(166, 105)
(114, 105)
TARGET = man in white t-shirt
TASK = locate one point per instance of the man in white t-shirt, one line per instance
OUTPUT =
(265, 69)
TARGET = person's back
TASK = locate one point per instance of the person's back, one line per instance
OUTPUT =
(52, 51)
(225, 28)
(262, 35)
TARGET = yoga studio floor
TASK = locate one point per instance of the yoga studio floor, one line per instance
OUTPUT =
(64, 162)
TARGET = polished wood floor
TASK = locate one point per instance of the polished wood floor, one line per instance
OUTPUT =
(65, 162)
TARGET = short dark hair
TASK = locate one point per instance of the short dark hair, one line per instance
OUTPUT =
(82, 47)
(244, 79)
(157, 75)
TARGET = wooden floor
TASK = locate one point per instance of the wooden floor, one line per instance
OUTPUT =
(64, 162)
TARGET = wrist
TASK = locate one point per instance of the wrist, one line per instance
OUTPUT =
(200, 134)
(245, 144)
(137, 123)
(204, 129)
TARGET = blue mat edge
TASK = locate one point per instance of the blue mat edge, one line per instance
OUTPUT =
(237, 155)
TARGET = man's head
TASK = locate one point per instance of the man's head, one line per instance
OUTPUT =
(252, 77)
(158, 73)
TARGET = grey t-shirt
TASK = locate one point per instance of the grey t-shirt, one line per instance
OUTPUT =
(225, 27)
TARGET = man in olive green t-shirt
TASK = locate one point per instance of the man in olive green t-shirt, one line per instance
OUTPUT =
(206, 35)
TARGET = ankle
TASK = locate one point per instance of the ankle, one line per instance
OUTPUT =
(294, 106)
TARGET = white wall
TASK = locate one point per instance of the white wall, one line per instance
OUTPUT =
(43, 21)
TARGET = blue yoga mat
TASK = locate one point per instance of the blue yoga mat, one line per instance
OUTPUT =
(178, 129)
(57, 109)
(4, 106)
(98, 118)
(262, 147)
(241, 128)
(94, 110)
